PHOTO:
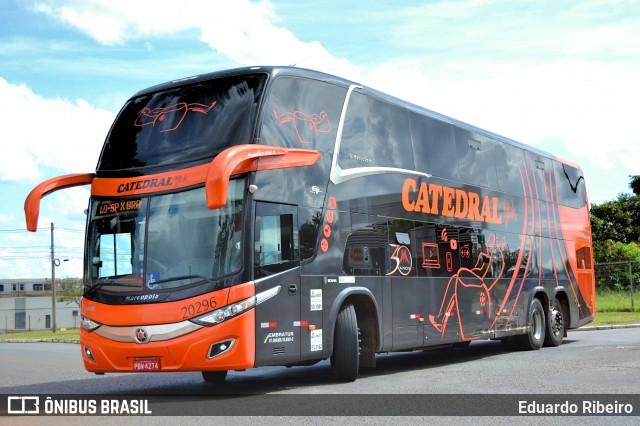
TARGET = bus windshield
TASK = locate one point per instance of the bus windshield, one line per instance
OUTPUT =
(183, 124)
(162, 242)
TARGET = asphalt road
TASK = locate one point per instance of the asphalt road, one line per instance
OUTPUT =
(588, 362)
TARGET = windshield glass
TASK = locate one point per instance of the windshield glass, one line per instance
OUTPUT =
(181, 124)
(162, 242)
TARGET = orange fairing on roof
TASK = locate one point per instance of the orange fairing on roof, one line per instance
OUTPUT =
(245, 158)
(215, 175)
(32, 203)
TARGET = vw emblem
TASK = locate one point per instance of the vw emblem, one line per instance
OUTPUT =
(141, 335)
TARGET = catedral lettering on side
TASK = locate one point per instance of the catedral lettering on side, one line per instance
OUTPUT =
(144, 184)
(455, 202)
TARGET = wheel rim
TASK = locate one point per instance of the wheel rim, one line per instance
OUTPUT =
(557, 324)
(537, 324)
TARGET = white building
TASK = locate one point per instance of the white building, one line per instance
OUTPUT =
(25, 305)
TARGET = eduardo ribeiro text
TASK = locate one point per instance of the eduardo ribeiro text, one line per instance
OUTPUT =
(566, 407)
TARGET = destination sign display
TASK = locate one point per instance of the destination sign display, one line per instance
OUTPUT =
(119, 206)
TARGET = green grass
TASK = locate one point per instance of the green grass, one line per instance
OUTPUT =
(603, 318)
(39, 335)
(616, 301)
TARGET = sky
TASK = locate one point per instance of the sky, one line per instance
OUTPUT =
(560, 75)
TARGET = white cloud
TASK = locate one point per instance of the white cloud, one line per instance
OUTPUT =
(241, 30)
(46, 132)
(116, 21)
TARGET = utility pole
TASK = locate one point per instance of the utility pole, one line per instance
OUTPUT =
(53, 284)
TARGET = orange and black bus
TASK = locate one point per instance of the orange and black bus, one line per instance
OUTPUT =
(280, 216)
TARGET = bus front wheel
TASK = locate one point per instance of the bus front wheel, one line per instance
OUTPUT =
(534, 338)
(345, 360)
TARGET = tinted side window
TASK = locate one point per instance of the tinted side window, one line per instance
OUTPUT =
(366, 249)
(434, 147)
(570, 185)
(376, 134)
(475, 158)
(509, 162)
(302, 113)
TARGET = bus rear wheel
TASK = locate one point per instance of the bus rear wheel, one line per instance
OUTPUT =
(555, 325)
(214, 376)
(534, 338)
(345, 360)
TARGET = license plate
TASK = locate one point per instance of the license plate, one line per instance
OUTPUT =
(146, 364)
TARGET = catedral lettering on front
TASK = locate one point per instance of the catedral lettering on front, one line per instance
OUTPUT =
(280, 216)
(144, 184)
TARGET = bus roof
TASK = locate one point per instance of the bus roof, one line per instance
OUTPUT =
(274, 71)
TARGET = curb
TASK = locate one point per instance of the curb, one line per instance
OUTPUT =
(606, 327)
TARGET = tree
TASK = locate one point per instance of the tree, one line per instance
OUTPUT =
(69, 290)
(617, 220)
(634, 183)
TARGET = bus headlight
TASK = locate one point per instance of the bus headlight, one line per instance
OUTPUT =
(223, 314)
(88, 324)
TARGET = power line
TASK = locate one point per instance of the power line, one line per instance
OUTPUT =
(9, 231)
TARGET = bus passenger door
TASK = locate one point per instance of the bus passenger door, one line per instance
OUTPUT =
(276, 263)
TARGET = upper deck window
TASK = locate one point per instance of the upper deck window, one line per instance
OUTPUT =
(376, 134)
(302, 113)
(182, 124)
(434, 146)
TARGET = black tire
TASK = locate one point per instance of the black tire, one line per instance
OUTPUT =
(534, 339)
(555, 329)
(214, 376)
(345, 360)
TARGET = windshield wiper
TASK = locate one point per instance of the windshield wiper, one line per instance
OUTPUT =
(187, 277)
(215, 283)
(109, 283)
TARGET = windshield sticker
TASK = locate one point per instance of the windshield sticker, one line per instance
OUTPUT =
(152, 278)
(173, 115)
(307, 126)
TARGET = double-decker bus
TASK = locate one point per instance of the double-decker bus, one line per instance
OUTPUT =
(280, 216)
